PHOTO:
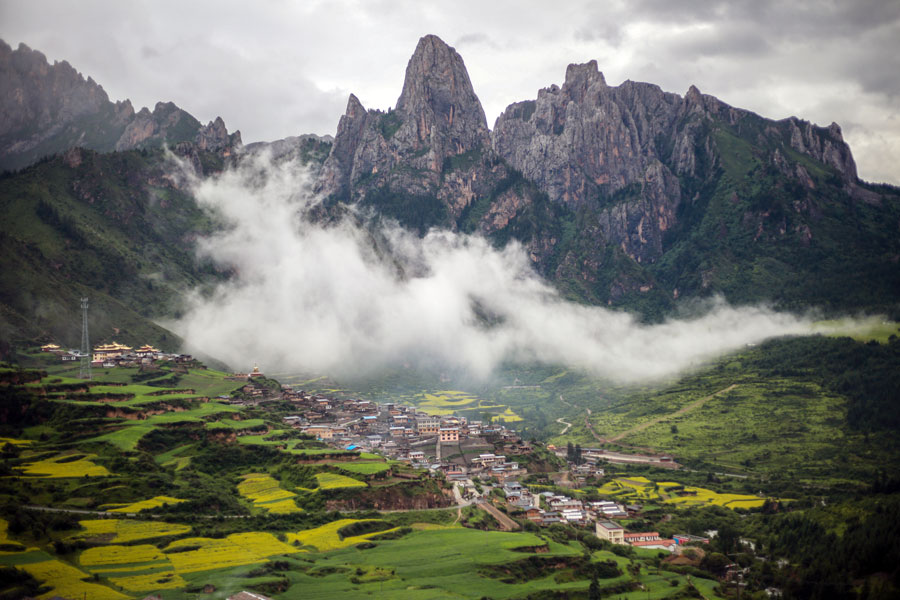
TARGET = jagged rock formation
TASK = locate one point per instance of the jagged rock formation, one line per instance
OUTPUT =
(621, 194)
(405, 150)
(624, 195)
(214, 137)
(46, 109)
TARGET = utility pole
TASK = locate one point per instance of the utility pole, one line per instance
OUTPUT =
(84, 353)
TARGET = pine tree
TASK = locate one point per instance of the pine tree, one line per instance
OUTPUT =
(594, 589)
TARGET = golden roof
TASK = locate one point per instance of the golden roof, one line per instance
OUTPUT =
(111, 347)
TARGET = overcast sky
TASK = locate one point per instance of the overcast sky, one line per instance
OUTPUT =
(279, 68)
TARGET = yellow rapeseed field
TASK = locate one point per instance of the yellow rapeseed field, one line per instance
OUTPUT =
(167, 580)
(67, 582)
(123, 531)
(235, 550)
(326, 537)
(134, 507)
(120, 555)
(5, 440)
(328, 481)
(265, 492)
(508, 416)
(262, 488)
(282, 507)
(4, 540)
(671, 492)
(53, 467)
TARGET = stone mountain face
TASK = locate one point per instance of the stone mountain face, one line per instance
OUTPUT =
(46, 109)
(404, 150)
(623, 195)
(618, 192)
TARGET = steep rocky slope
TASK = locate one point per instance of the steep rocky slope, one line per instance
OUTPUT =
(625, 194)
(46, 109)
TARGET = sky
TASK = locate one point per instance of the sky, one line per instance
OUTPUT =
(278, 68)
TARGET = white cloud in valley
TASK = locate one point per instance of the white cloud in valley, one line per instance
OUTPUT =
(349, 298)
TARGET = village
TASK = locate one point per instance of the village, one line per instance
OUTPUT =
(483, 461)
(114, 354)
(478, 458)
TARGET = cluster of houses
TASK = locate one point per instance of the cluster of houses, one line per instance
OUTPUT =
(615, 533)
(563, 509)
(399, 431)
(118, 355)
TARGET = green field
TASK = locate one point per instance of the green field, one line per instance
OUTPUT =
(131, 431)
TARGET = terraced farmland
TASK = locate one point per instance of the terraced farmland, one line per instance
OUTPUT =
(123, 531)
(65, 465)
(266, 493)
(135, 507)
(641, 489)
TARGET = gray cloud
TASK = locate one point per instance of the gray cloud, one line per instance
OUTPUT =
(316, 298)
(284, 68)
(475, 39)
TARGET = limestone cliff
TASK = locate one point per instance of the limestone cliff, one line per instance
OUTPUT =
(46, 109)
(406, 149)
(620, 194)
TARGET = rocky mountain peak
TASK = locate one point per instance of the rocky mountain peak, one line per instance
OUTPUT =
(438, 101)
(48, 108)
(405, 149)
(581, 77)
(354, 107)
(215, 137)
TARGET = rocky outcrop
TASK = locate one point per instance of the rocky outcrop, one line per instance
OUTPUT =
(406, 149)
(167, 123)
(586, 140)
(214, 137)
(46, 109)
(38, 96)
(622, 151)
(587, 144)
(826, 145)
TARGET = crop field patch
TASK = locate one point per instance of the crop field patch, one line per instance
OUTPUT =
(68, 582)
(435, 563)
(265, 492)
(331, 481)
(234, 550)
(10, 546)
(63, 466)
(326, 538)
(15, 442)
(168, 580)
(135, 507)
(129, 433)
(363, 468)
(634, 489)
(122, 531)
(236, 425)
(120, 555)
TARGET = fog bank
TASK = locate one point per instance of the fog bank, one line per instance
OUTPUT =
(344, 300)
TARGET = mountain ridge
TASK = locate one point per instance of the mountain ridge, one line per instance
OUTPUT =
(625, 196)
(601, 183)
(46, 109)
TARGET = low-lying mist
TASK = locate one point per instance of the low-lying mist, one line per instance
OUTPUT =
(346, 299)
